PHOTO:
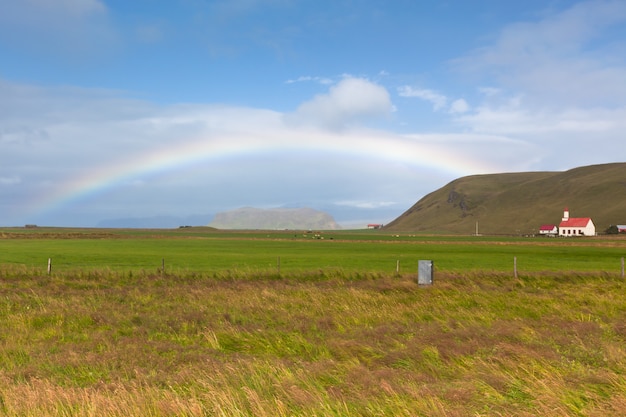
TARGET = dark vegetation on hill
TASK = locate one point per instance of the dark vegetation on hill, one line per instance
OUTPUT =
(519, 203)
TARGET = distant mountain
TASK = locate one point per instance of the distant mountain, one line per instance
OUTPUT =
(273, 219)
(156, 222)
(519, 203)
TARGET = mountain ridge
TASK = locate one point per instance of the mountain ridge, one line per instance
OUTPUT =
(519, 203)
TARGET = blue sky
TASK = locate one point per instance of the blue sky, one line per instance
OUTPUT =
(119, 109)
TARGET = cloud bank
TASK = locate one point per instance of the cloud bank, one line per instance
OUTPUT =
(71, 150)
(350, 101)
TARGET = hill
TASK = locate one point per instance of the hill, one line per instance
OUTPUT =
(519, 203)
(273, 219)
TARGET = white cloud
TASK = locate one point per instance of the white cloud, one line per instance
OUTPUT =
(10, 180)
(562, 59)
(307, 78)
(459, 106)
(558, 83)
(519, 120)
(349, 101)
(439, 101)
(489, 91)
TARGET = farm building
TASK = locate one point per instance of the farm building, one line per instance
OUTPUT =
(576, 226)
(621, 228)
(374, 226)
(548, 230)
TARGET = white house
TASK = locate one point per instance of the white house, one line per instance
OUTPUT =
(576, 226)
(548, 230)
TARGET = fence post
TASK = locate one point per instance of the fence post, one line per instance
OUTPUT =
(278, 265)
(515, 267)
(162, 265)
(398, 267)
(50, 265)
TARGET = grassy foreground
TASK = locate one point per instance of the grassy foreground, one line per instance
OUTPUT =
(335, 332)
(316, 344)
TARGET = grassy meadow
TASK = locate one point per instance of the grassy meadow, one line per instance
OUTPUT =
(290, 324)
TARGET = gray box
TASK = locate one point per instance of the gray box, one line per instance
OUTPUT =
(425, 272)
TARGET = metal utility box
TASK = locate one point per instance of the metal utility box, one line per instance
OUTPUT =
(425, 272)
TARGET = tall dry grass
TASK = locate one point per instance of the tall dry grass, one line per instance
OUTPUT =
(312, 344)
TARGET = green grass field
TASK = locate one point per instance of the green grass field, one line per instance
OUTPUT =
(336, 333)
(203, 250)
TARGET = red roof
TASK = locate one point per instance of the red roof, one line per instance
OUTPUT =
(547, 227)
(576, 222)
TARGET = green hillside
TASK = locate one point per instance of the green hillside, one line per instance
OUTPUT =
(519, 203)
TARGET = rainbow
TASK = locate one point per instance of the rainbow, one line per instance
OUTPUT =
(419, 151)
